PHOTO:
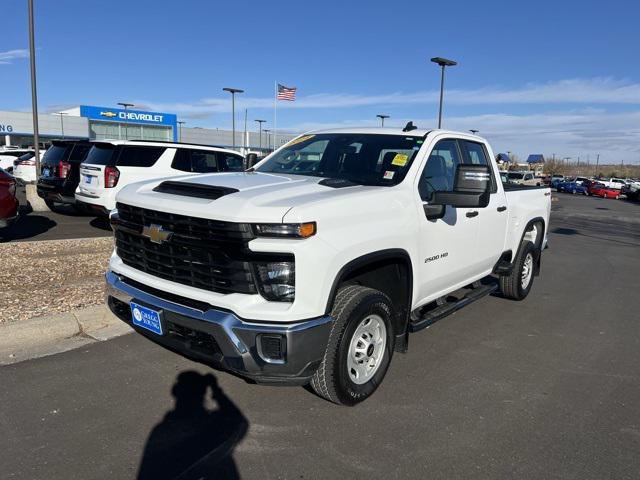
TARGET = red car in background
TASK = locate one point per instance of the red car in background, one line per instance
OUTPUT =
(8, 201)
(600, 190)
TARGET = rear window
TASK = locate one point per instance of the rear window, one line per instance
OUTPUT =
(56, 154)
(101, 154)
(79, 152)
(133, 156)
(515, 176)
(232, 163)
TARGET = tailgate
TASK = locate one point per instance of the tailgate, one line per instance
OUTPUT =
(91, 179)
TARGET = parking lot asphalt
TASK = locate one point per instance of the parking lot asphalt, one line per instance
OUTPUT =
(64, 224)
(544, 388)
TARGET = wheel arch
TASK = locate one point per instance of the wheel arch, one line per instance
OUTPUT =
(389, 271)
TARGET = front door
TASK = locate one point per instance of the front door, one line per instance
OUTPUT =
(447, 245)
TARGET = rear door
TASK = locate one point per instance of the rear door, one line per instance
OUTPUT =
(492, 220)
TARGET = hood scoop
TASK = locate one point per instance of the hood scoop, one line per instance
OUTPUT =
(337, 183)
(186, 189)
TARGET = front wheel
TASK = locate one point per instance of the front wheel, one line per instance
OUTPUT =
(518, 283)
(360, 346)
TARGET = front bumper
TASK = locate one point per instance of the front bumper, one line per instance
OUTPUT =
(221, 339)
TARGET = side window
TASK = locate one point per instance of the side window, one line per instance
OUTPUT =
(203, 161)
(182, 160)
(132, 156)
(477, 155)
(231, 163)
(440, 170)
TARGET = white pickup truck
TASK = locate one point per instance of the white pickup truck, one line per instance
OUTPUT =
(314, 266)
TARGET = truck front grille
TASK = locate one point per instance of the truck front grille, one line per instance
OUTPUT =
(206, 254)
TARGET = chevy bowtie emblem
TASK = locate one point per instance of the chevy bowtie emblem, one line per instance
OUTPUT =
(108, 114)
(156, 233)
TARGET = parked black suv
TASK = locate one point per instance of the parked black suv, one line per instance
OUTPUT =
(60, 171)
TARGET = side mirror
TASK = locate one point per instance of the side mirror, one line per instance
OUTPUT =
(250, 160)
(472, 188)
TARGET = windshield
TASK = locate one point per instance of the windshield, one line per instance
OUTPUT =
(365, 159)
(516, 176)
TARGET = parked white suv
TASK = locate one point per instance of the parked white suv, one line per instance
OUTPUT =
(317, 264)
(111, 165)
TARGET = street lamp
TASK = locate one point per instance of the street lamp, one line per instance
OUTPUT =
(34, 94)
(443, 62)
(260, 122)
(125, 105)
(267, 131)
(180, 123)
(382, 117)
(474, 131)
(61, 121)
(233, 92)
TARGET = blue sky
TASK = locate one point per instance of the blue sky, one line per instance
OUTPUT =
(552, 77)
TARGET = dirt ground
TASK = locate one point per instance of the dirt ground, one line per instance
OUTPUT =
(48, 277)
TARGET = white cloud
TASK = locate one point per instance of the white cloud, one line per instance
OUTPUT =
(584, 133)
(10, 55)
(573, 91)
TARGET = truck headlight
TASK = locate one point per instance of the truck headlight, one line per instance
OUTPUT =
(276, 280)
(291, 230)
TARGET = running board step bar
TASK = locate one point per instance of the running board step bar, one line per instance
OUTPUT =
(447, 308)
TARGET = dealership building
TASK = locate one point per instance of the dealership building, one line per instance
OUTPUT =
(103, 123)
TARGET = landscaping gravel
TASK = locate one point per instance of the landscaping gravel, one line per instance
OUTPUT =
(48, 277)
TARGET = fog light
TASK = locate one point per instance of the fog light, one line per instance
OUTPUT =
(272, 348)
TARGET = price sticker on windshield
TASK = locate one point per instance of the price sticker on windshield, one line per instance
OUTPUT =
(295, 141)
(400, 160)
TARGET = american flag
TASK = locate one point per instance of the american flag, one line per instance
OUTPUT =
(286, 93)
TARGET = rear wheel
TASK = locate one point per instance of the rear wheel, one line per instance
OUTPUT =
(518, 283)
(51, 205)
(360, 346)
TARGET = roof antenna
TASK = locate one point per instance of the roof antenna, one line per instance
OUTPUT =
(409, 126)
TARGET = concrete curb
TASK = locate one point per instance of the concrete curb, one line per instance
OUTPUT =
(42, 336)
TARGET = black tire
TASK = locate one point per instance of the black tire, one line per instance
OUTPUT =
(51, 205)
(511, 285)
(332, 381)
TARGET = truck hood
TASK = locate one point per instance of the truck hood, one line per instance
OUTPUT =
(260, 197)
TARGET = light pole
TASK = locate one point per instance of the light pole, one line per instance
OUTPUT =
(443, 62)
(382, 117)
(267, 131)
(233, 92)
(125, 105)
(260, 122)
(180, 123)
(61, 121)
(474, 131)
(34, 93)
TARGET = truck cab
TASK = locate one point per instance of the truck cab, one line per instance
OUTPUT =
(316, 265)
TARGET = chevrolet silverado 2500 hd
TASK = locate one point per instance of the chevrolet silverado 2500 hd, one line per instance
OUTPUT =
(316, 264)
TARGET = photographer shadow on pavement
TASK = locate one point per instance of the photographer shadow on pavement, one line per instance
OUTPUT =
(193, 441)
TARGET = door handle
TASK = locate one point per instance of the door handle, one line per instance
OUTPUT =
(472, 214)
(502, 208)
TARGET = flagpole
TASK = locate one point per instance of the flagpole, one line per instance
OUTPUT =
(275, 113)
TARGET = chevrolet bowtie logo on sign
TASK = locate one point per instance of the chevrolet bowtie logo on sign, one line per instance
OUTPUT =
(108, 114)
(156, 233)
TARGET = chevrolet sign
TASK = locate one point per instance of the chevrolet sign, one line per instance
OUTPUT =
(108, 114)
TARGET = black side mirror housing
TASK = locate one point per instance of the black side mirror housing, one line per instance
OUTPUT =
(472, 188)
